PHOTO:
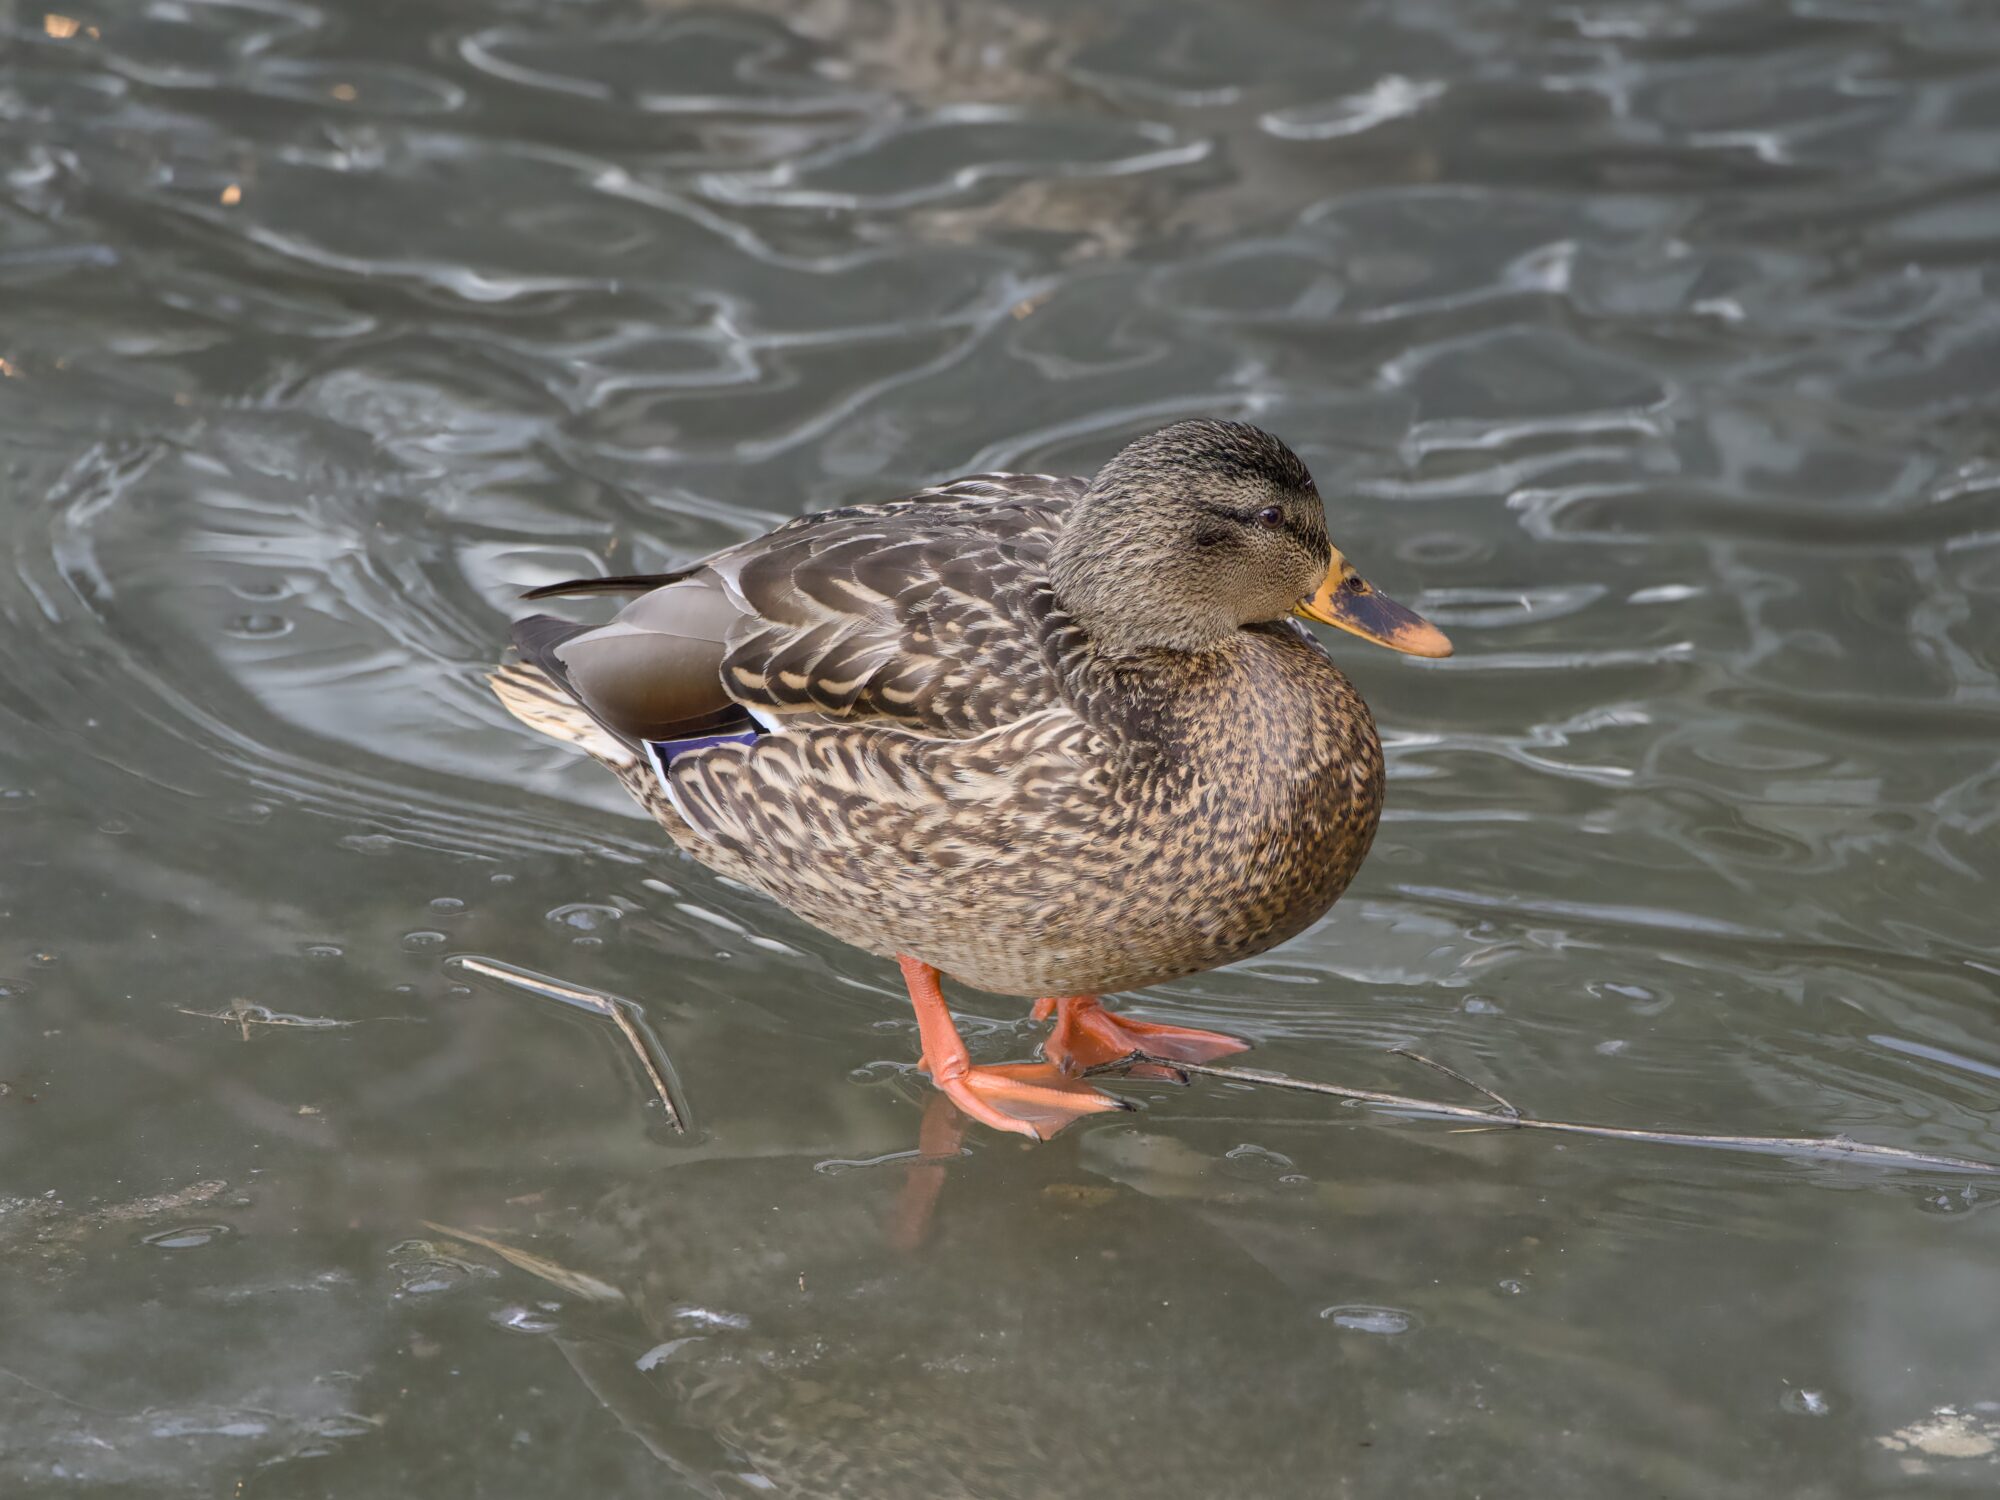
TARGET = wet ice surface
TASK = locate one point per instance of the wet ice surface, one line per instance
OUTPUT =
(1648, 348)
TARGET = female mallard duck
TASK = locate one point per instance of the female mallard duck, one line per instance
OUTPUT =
(1051, 737)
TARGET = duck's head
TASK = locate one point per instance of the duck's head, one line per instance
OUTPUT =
(1203, 528)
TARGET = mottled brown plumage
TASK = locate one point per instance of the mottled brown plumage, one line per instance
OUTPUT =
(1051, 738)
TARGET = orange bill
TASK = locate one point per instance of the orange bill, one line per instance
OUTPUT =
(1347, 601)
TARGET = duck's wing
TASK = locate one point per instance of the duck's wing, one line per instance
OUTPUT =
(930, 613)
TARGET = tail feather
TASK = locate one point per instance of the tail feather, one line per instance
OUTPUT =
(538, 691)
(537, 638)
(544, 704)
(541, 702)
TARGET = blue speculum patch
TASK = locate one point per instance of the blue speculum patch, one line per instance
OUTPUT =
(669, 750)
(663, 753)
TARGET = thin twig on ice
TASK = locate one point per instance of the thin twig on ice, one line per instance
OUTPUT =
(623, 1014)
(1807, 1147)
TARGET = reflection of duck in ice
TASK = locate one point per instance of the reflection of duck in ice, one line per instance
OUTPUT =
(1054, 739)
(769, 1339)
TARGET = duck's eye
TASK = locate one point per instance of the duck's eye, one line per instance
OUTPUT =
(1271, 517)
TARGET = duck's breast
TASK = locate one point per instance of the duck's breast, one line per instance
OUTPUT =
(1269, 794)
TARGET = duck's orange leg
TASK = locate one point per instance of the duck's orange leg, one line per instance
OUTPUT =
(1026, 1098)
(1086, 1034)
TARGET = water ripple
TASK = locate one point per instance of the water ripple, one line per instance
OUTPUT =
(1645, 346)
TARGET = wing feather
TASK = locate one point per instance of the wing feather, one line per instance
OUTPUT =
(931, 612)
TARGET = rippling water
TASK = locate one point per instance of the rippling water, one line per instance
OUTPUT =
(1650, 348)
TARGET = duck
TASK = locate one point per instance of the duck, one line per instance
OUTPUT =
(1049, 737)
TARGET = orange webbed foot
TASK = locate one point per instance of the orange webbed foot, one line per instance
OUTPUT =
(1031, 1099)
(1087, 1035)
